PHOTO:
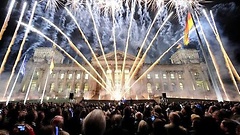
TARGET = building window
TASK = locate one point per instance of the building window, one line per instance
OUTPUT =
(78, 76)
(68, 86)
(180, 76)
(33, 86)
(62, 76)
(165, 86)
(51, 87)
(86, 77)
(77, 87)
(181, 86)
(156, 76)
(164, 75)
(157, 87)
(196, 75)
(172, 76)
(206, 85)
(85, 87)
(199, 84)
(148, 76)
(70, 76)
(60, 88)
(174, 88)
(149, 87)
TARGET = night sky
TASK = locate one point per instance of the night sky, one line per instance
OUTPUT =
(229, 21)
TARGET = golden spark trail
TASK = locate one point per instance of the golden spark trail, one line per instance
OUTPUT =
(213, 59)
(155, 63)
(145, 53)
(67, 54)
(74, 48)
(5, 24)
(20, 49)
(127, 42)
(13, 39)
(85, 39)
(142, 45)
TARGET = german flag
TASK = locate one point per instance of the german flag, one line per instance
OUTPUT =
(189, 25)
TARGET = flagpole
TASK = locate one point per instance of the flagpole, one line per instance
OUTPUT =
(214, 81)
(44, 89)
(14, 84)
(29, 86)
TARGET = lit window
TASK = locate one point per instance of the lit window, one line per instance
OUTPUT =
(180, 76)
(60, 88)
(156, 76)
(62, 76)
(174, 87)
(77, 87)
(148, 76)
(157, 86)
(196, 75)
(85, 87)
(172, 76)
(86, 76)
(69, 86)
(181, 85)
(206, 85)
(51, 87)
(165, 86)
(69, 76)
(33, 86)
(149, 87)
(78, 76)
(164, 76)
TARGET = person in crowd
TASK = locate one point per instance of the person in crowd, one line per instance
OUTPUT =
(228, 127)
(174, 127)
(196, 126)
(235, 113)
(94, 123)
(127, 122)
(143, 128)
(57, 122)
(4, 132)
(116, 128)
(46, 130)
(158, 127)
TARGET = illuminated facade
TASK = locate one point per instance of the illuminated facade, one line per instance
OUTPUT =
(186, 77)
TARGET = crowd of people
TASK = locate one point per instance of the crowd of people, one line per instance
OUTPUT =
(121, 118)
